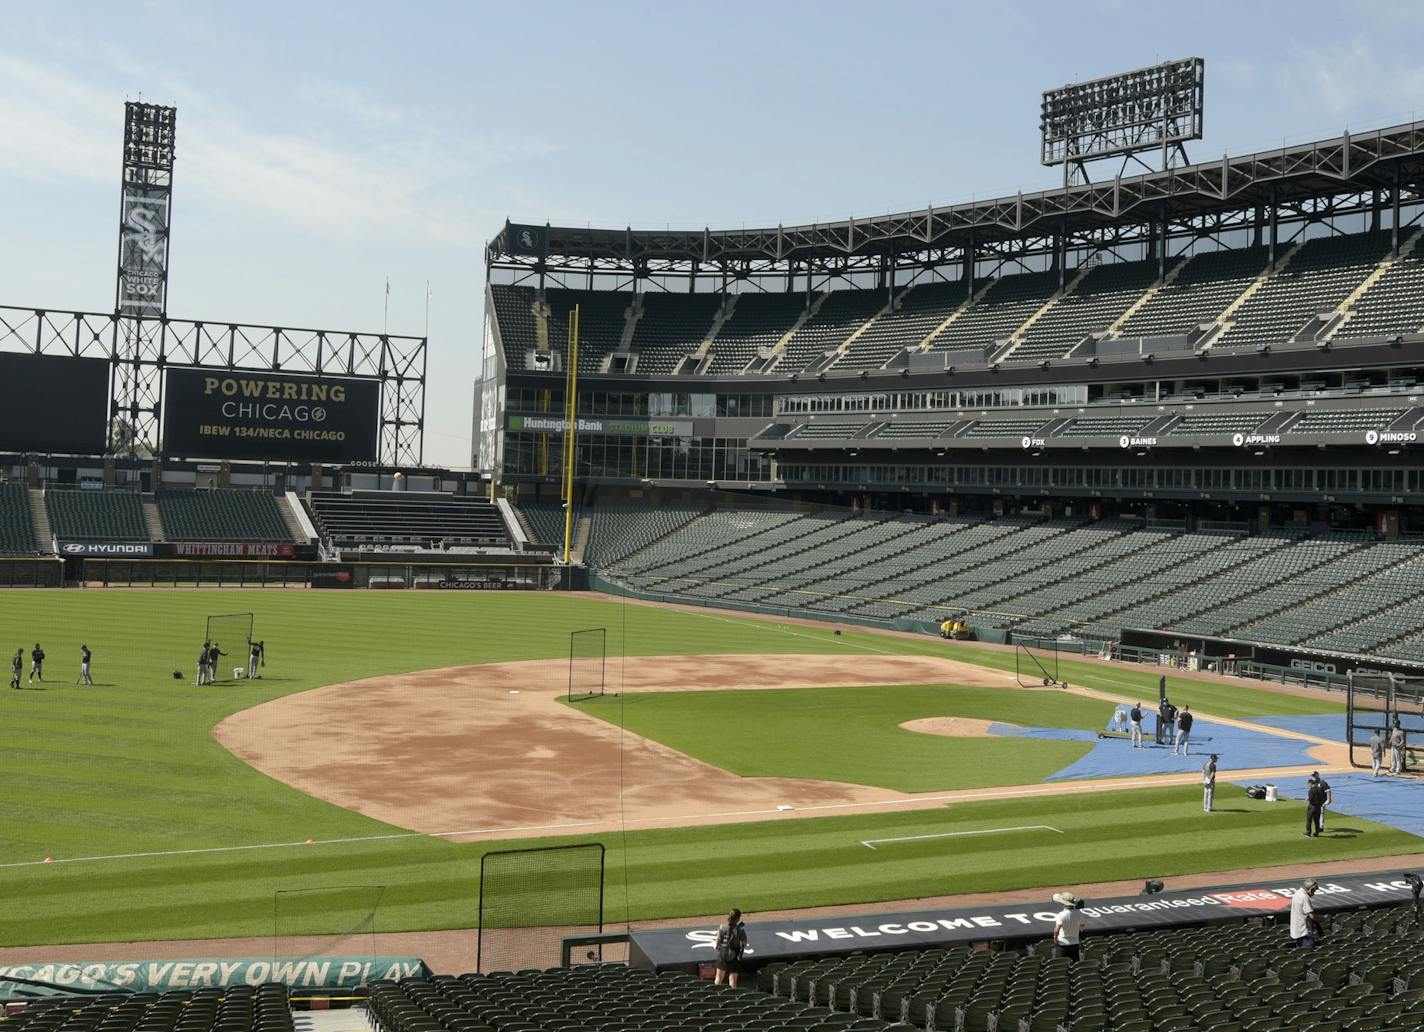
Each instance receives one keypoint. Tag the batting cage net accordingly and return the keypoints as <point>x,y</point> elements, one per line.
<point>1376,701</point>
<point>531,898</point>
<point>232,634</point>
<point>588,663</point>
<point>1036,664</point>
<point>321,925</point>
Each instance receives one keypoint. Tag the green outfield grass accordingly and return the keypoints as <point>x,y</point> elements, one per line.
<point>1139,683</point>
<point>131,766</point>
<point>853,734</point>
<point>786,863</point>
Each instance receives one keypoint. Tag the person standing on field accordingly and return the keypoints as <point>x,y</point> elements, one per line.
<point>37,663</point>
<point>1329,796</point>
<point>1314,802</point>
<point>84,656</point>
<point>1136,718</point>
<point>730,944</point>
<point>1376,753</point>
<point>255,658</point>
<point>1396,749</point>
<point>214,654</point>
<point>1208,783</point>
<point>1184,732</point>
<point>202,665</point>
<point>17,667</point>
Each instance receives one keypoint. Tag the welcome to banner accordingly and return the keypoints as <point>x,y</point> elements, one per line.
<point>161,975</point>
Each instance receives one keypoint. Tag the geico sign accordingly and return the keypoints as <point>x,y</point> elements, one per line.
<point>261,389</point>
<point>1389,436</point>
<point>1314,666</point>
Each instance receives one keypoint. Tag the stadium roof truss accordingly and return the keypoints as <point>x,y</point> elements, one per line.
<point>1310,181</point>
<point>140,349</point>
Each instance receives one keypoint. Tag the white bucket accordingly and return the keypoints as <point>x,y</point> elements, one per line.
<point>1271,796</point>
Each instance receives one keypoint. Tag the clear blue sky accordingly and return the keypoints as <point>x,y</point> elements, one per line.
<point>325,146</point>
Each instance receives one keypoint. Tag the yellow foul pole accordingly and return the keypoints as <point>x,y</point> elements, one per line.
<point>570,421</point>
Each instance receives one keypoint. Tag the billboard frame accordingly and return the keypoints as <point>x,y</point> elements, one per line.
<point>135,415</point>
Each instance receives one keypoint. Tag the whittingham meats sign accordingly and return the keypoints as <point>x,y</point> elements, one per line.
<point>918,929</point>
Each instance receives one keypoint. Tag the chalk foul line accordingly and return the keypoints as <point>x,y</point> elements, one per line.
<point>872,843</point>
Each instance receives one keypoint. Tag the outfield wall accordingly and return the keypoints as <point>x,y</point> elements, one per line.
<point>259,573</point>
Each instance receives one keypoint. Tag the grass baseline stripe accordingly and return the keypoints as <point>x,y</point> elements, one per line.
<point>871,843</point>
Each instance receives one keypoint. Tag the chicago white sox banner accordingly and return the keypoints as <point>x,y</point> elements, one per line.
<point>143,252</point>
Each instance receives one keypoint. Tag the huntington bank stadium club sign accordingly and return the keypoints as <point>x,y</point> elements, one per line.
<point>272,416</point>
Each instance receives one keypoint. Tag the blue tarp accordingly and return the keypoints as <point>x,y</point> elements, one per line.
<point>1321,725</point>
<point>1114,757</point>
<point>1397,802</point>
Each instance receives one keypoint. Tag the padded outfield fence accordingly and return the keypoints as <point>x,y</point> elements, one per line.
<point>266,573</point>
<point>531,899</point>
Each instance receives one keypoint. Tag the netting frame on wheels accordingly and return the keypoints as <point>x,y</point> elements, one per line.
<point>1026,661</point>
<point>534,862</point>
<point>588,664</point>
<point>243,623</point>
<point>1377,700</point>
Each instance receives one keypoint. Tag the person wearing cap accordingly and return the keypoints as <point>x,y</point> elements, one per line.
<point>1184,732</point>
<point>1396,749</point>
<point>1067,926</point>
<point>1329,795</point>
<point>1304,928</point>
<point>1376,753</point>
<point>1136,717</point>
<point>1208,783</point>
<point>1315,796</point>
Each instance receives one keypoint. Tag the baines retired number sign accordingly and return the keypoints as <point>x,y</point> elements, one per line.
<point>231,414</point>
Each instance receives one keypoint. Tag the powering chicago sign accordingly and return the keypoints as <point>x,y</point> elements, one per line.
<point>229,414</point>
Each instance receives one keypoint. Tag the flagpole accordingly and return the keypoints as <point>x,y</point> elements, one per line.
<point>386,312</point>
<point>427,309</point>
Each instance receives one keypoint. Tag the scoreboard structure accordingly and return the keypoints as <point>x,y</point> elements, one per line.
<point>126,378</point>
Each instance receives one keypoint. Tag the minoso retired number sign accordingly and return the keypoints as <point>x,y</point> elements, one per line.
<point>226,414</point>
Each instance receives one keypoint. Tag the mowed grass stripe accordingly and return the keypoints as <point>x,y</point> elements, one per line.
<point>687,871</point>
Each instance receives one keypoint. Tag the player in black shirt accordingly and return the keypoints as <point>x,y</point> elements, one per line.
<point>213,655</point>
<point>37,663</point>
<point>1315,795</point>
<point>84,656</point>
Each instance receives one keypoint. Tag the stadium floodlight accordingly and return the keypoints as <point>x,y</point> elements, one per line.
<point>149,135</point>
<point>1156,108</point>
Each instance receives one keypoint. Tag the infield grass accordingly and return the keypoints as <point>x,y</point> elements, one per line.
<point>130,766</point>
<point>853,734</point>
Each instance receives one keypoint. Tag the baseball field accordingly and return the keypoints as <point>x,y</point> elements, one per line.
<point>394,738</point>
